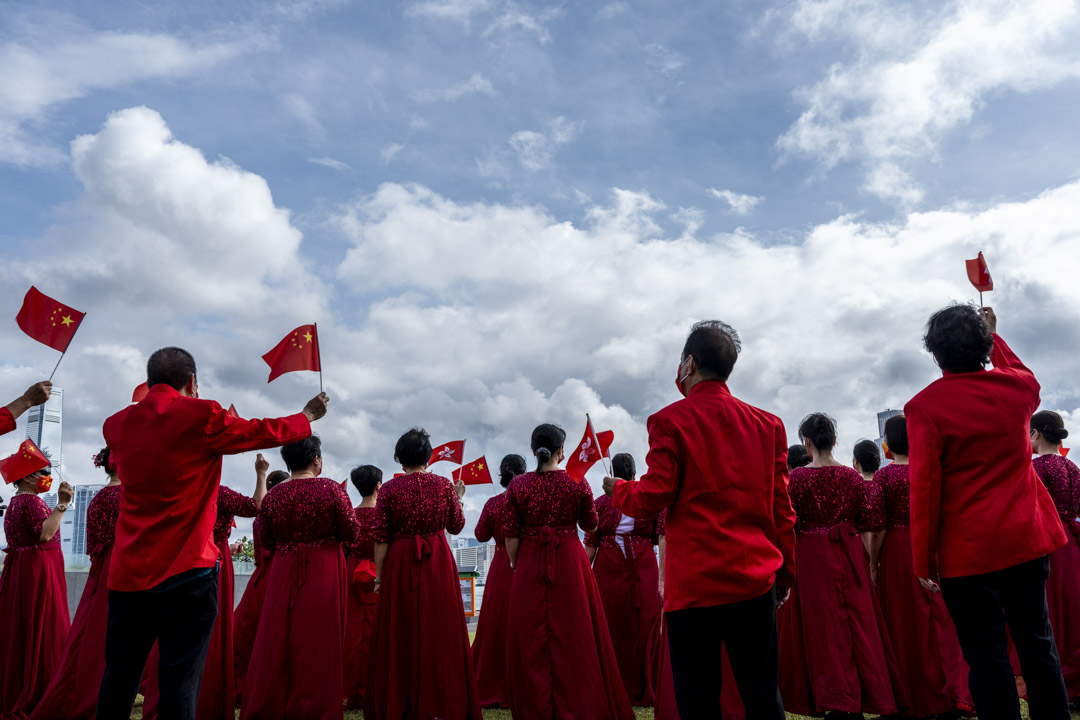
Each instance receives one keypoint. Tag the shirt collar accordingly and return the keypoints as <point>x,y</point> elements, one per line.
<point>709,387</point>
<point>163,389</point>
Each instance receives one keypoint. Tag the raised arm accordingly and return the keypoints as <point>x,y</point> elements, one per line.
<point>229,435</point>
<point>36,394</point>
<point>658,488</point>
<point>926,446</point>
<point>233,503</point>
<point>50,521</point>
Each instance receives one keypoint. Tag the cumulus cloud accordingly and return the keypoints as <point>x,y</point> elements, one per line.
<point>475,85</point>
<point>536,150</point>
<point>737,203</point>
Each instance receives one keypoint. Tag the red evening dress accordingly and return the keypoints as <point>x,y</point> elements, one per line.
<point>217,694</point>
<point>297,662</point>
<point>930,661</point>
<point>421,667</point>
<point>248,612</point>
<point>835,653</point>
<point>73,692</point>
<point>34,619</point>
<point>628,580</point>
<point>561,661</point>
<point>361,610</point>
<point>489,645</point>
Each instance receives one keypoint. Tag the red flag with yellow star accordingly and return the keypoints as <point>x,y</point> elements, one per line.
<point>299,350</point>
<point>48,321</point>
<point>475,473</point>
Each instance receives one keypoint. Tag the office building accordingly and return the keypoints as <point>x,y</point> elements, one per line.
<point>882,418</point>
<point>45,425</point>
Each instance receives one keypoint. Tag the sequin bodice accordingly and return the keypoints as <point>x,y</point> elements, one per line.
<point>416,504</point>
<point>551,499</point>
<point>231,504</point>
<point>101,517</point>
<point>896,490</point>
<point>23,520</point>
<point>832,495</point>
<point>364,547</point>
<point>1062,478</point>
<point>306,511</point>
<point>490,524</point>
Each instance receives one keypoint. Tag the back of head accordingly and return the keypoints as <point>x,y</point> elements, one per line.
<point>1050,425</point>
<point>101,460</point>
<point>896,435</point>
<point>413,449</point>
<point>715,347</point>
<point>301,455</point>
<point>623,467</point>
<point>959,339</point>
<point>868,455</point>
<point>819,429</point>
<point>547,440</point>
<point>510,467</point>
<point>275,478</point>
<point>170,366</point>
<point>366,479</point>
<point>797,456</point>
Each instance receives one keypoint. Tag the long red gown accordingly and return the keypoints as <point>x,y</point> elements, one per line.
<point>361,610</point>
<point>248,612</point>
<point>627,577</point>
<point>835,653</point>
<point>217,694</point>
<point>73,691</point>
<point>297,662</point>
<point>930,660</point>
<point>489,645</point>
<point>421,667</point>
<point>561,661</point>
<point>34,619</point>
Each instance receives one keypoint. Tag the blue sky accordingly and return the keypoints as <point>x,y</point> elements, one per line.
<point>502,213</point>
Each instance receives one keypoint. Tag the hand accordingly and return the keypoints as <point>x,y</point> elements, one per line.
<point>261,464</point>
<point>236,547</point>
<point>661,589</point>
<point>459,488</point>
<point>990,317</point>
<point>609,485</point>
<point>783,594</point>
<point>377,582</point>
<point>929,585</point>
<point>65,494</point>
<point>316,407</point>
<point>38,393</point>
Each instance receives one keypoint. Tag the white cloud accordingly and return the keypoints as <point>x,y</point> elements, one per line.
<point>737,203</point>
<point>417,124</point>
<point>536,150</point>
<point>302,109</point>
<point>456,10</point>
<point>389,152</point>
<point>477,84</point>
<point>665,60</point>
<point>514,18</point>
<point>330,163</point>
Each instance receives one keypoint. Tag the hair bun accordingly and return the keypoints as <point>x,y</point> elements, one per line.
<point>1061,433</point>
<point>543,454</point>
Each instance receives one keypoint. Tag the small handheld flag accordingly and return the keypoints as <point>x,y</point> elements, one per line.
<point>48,321</point>
<point>592,447</point>
<point>475,473</point>
<point>979,275</point>
<point>450,452</point>
<point>299,350</point>
<point>28,459</point>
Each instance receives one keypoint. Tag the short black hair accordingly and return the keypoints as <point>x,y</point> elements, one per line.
<point>623,467</point>
<point>101,460</point>
<point>797,456</point>
<point>301,454</point>
<point>1050,424</point>
<point>365,478</point>
<point>170,366</point>
<point>413,449</point>
<point>511,466</point>
<point>715,347</point>
<point>896,435</point>
<point>868,455</point>
<point>276,477</point>
<point>819,429</point>
<point>547,439</point>
<point>959,338</point>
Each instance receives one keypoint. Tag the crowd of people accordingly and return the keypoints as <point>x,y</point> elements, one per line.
<point>788,578</point>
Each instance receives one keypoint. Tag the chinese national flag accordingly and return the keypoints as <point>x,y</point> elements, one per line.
<point>451,452</point>
<point>48,321</point>
<point>140,392</point>
<point>592,447</point>
<point>979,274</point>
<point>475,473</point>
<point>299,350</point>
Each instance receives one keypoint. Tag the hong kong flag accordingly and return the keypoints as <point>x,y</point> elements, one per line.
<point>299,350</point>
<point>48,321</point>
<point>450,452</point>
<point>592,447</point>
<point>979,274</point>
<point>475,473</point>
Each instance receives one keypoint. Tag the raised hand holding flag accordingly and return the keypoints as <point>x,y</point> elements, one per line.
<point>299,350</point>
<point>450,452</point>
<point>979,275</point>
<point>48,321</point>
<point>475,473</point>
<point>593,447</point>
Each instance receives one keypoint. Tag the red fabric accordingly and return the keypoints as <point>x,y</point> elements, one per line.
<point>416,504</point>
<point>449,452</point>
<point>666,706</point>
<point>475,473</point>
<point>361,611</point>
<point>28,459</point>
<point>299,350</point>
<point>592,447</point>
<point>48,321</point>
<point>7,421</point>
<point>489,645</point>
<point>977,504</point>
<point>248,612</point>
<point>168,450</point>
<point>141,391</point>
<point>979,274</point>
<point>721,466</point>
<point>1062,591</point>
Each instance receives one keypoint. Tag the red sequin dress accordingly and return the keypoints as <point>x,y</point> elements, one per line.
<point>73,691</point>
<point>561,661</point>
<point>34,619</point>
<point>930,661</point>
<point>489,645</point>
<point>835,653</point>
<point>296,664</point>
<point>248,612</point>
<point>361,610</point>
<point>628,579</point>
<point>421,667</point>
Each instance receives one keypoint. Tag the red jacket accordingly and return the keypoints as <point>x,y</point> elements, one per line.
<point>721,466</point>
<point>7,421</point>
<point>977,504</point>
<point>168,450</point>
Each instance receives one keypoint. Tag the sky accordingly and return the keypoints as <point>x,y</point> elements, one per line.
<point>506,213</point>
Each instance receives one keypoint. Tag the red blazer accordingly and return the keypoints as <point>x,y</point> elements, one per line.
<point>721,466</point>
<point>977,504</point>
<point>168,450</point>
<point>7,421</point>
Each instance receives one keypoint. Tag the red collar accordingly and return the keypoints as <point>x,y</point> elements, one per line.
<point>710,387</point>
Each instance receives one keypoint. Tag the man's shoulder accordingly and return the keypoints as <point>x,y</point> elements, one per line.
<point>691,406</point>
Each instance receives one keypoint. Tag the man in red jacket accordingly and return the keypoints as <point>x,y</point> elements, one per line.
<point>163,574</point>
<point>720,466</point>
<point>980,518</point>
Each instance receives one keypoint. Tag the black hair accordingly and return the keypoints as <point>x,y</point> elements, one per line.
<point>623,467</point>
<point>278,476</point>
<point>365,478</point>
<point>715,347</point>
<point>819,429</point>
<point>868,455</point>
<point>413,449</point>
<point>170,366</point>
<point>547,439</point>
<point>301,454</point>
<point>1050,424</point>
<point>101,460</point>
<point>896,435</point>
<point>510,467</point>
<point>959,338</point>
<point>797,456</point>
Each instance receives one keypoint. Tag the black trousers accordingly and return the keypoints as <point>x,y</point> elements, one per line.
<point>180,619</point>
<point>748,630</point>
<point>981,606</point>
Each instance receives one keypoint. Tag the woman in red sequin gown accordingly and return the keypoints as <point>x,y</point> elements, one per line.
<point>296,665</point>
<point>835,654</point>
<point>1062,479</point>
<point>489,645</point>
<point>73,691</point>
<point>421,667</point>
<point>621,551</point>
<point>927,652</point>
<point>362,602</point>
<point>561,661</point>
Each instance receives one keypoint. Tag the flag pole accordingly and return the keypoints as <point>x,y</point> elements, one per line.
<point>592,433</point>
<point>318,354</point>
<point>55,367</point>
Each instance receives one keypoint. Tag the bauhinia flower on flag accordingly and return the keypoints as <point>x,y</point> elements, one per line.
<point>48,321</point>
<point>592,447</point>
<point>450,452</point>
<point>475,473</point>
<point>299,350</point>
<point>979,274</point>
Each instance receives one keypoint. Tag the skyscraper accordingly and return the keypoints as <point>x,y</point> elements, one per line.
<point>882,418</point>
<point>45,427</point>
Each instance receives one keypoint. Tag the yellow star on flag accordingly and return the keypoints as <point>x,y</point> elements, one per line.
<point>307,336</point>
<point>66,320</point>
